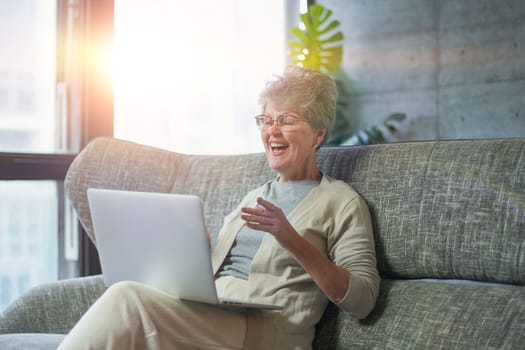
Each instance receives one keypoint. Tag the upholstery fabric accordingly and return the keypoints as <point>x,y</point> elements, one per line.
<point>449,209</point>
<point>52,307</point>
<point>221,182</point>
<point>440,209</point>
<point>117,165</point>
<point>30,341</point>
<point>424,315</point>
<point>443,209</point>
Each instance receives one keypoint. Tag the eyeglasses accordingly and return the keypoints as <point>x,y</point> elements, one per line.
<point>285,122</point>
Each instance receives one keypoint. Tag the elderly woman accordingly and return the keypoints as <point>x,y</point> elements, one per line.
<point>299,241</point>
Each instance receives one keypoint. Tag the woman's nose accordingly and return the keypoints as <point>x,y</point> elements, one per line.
<point>274,129</point>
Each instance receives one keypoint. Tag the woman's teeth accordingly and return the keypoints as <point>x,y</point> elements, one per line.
<point>277,146</point>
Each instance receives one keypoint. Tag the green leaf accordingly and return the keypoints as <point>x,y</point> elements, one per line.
<point>332,26</point>
<point>299,34</point>
<point>337,37</point>
<point>319,45</point>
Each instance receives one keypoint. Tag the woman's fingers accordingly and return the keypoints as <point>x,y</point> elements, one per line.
<point>265,217</point>
<point>266,205</point>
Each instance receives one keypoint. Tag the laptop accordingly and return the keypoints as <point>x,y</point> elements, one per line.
<point>157,239</point>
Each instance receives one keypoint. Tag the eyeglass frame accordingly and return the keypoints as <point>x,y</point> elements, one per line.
<point>260,120</point>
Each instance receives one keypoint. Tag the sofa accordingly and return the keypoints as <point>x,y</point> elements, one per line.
<point>449,225</point>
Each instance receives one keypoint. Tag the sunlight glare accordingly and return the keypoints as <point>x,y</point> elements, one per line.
<point>190,83</point>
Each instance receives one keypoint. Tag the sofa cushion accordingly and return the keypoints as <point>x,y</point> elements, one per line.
<point>430,315</point>
<point>52,307</point>
<point>30,341</point>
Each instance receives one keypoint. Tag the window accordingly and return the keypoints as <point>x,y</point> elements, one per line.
<point>188,73</point>
<point>27,76</point>
<point>45,99</point>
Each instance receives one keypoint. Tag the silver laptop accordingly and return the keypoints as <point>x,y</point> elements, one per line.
<point>157,239</point>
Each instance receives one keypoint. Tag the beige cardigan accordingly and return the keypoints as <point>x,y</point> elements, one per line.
<point>335,219</point>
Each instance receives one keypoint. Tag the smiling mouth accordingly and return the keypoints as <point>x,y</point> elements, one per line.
<point>275,147</point>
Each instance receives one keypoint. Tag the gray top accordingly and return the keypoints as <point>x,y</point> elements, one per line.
<point>286,195</point>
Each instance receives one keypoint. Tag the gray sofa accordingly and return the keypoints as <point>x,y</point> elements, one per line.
<point>449,221</point>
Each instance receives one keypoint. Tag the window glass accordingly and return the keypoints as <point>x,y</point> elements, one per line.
<point>27,75</point>
<point>5,290</point>
<point>188,73</point>
<point>28,236</point>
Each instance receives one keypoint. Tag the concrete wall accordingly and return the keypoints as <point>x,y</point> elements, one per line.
<point>455,67</point>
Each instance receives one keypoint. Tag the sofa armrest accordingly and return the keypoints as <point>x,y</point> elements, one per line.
<point>53,307</point>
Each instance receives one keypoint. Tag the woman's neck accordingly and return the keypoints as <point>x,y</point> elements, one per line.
<point>312,175</point>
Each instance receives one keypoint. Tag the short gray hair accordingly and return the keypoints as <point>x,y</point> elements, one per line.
<point>312,94</point>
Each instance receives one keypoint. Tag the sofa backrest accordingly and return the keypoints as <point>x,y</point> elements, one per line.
<point>440,209</point>
<point>220,181</point>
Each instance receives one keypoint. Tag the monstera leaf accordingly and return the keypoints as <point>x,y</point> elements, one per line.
<point>318,46</point>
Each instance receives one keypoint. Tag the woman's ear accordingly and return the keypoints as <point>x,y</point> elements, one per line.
<point>321,134</point>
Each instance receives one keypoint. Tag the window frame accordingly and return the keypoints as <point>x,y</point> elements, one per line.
<point>34,166</point>
<point>92,97</point>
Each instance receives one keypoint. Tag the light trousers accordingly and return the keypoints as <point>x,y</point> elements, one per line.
<point>130,316</point>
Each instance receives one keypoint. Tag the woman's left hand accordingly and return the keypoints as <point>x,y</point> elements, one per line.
<point>269,218</point>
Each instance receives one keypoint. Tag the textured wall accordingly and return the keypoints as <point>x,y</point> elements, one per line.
<point>456,67</point>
